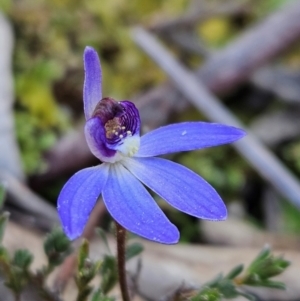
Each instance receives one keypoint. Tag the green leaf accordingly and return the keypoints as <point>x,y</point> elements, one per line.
<point>87,270</point>
<point>17,274</point>
<point>207,294</point>
<point>218,288</point>
<point>227,289</point>
<point>133,250</point>
<point>235,272</point>
<point>83,254</point>
<point>3,253</point>
<point>99,296</point>
<point>265,266</point>
<point>263,254</point>
<point>2,194</point>
<point>22,259</point>
<point>247,296</point>
<point>4,260</point>
<point>3,221</point>
<point>273,284</point>
<point>274,266</point>
<point>109,273</point>
<point>57,247</point>
<point>214,282</point>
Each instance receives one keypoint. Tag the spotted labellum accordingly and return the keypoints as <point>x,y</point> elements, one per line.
<point>129,162</point>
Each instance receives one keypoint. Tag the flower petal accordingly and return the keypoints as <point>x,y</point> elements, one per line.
<point>131,205</point>
<point>92,89</point>
<point>179,186</point>
<point>186,136</point>
<point>78,197</point>
<point>95,138</point>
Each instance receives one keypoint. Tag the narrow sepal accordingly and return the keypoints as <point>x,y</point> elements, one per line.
<point>92,88</point>
<point>186,136</point>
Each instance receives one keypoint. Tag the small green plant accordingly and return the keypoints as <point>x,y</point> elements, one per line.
<point>259,273</point>
<point>17,273</point>
<point>16,268</point>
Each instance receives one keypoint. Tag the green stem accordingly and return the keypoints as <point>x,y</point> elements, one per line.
<point>121,240</point>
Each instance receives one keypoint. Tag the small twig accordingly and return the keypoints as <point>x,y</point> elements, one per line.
<point>186,82</point>
<point>189,42</point>
<point>281,81</point>
<point>276,127</point>
<point>9,152</point>
<point>26,199</point>
<point>235,63</point>
<point>121,247</point>
<point>200,12</point>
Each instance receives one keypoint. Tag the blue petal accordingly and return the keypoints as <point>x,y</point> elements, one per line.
<point>130,204</point>
<point>95,137</point>
<point>186,136</point>
<point>179,186</point>
<point>92,90</point>
<point>78,198</point>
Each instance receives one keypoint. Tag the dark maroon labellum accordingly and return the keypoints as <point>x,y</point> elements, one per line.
<point>120,119</point>
<point>107,109</point>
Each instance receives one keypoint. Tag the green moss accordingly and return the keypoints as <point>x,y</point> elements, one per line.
<point>32,141</point>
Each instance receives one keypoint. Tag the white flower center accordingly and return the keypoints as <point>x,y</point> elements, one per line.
<point>130,146</point>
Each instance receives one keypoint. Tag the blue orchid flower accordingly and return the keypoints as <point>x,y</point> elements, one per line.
<point>112,132</point>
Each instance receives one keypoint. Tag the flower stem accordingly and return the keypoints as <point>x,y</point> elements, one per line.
<point>121,240</point>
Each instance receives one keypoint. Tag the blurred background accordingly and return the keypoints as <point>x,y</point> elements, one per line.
<point>41,110</point>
